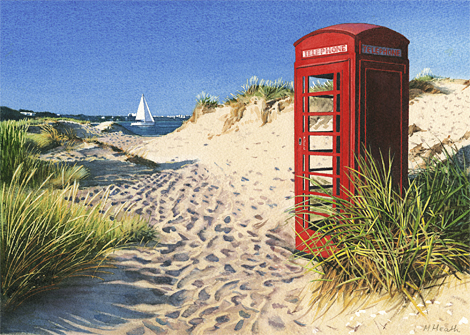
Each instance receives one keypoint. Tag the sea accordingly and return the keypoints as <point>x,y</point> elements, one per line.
<point>163,126</point>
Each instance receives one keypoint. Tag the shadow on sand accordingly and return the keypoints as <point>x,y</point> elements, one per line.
<point>107,172</point>
<point>84,304</point>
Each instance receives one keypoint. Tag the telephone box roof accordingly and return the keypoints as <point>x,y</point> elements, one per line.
<point>353,29</point>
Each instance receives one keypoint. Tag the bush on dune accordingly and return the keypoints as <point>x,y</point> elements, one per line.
<point>392,243</point>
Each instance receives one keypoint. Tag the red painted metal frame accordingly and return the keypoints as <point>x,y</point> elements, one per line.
<point>363,115</point>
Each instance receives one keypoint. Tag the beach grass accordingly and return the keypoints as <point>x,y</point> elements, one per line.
<point>266,89</point>
<point>426,75</point>
<point>207,100</point>
<point>391,242</point>
<point>50,136</point>
<point>47,237</point>
<point>17,148</point>
<point>423,83</point>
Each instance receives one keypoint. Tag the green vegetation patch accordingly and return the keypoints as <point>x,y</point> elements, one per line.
<point>46,237</point>
<point>384,241</point>
<point>266,89</point>
<point>206,100</point>
<point>18,149</point>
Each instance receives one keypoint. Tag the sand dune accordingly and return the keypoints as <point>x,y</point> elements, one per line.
<point>218,199</point>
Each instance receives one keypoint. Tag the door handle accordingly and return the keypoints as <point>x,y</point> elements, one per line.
<point>300,140</point>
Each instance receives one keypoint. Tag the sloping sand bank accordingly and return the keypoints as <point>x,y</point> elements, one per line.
<point>223,267</point>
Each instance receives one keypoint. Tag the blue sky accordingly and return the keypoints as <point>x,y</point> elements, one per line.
<point>98,57</point>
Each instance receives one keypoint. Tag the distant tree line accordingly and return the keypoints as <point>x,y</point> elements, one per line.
<point>7,113</point>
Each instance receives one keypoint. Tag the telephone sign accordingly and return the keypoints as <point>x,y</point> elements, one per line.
<point>373,50</point>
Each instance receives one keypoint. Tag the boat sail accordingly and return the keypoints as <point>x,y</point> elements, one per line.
<point>143,115</point>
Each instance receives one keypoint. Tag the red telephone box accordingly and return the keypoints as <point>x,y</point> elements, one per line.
<point>351,91</point>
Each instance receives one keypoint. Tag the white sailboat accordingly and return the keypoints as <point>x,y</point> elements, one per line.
<point>143,116</point>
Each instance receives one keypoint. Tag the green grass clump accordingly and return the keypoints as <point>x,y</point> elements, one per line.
<point>206,100</point>
<point>386,241</point>
<point>423,83</point>
<point>266,89</point>
<point>16,149</point>
<point>321,87</point>
<point>46,238</point>
<point>51,137</point>
<point>426,75</point>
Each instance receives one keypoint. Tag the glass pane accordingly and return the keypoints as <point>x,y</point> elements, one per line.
<point>321,182</point>
<point>320,200</point>
<point>320,123</point>
<point>321,143</point>
<point>320,104</point>
<point>317,206</point>
<point>320,83</point>
<point>323,164</point>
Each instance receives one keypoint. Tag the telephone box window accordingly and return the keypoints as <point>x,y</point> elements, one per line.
<point>320,83</point>
<point>323,164</point>
<point>324,184</point>
<point>321,143</point>
<point>320,123</point>
<point>320,104</point>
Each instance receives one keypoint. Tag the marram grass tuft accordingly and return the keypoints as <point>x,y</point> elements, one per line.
<point>393,243</point>
<point>266,89</point>
<point>45,238</point>
<point>16,150</point>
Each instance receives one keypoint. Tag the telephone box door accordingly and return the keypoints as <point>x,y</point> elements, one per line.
<point>322,133</point>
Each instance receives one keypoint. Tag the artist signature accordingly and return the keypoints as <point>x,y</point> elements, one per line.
<point>439,328</point>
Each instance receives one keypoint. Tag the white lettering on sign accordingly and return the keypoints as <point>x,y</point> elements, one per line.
<point>325,51</point>
<point>381,51</point>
